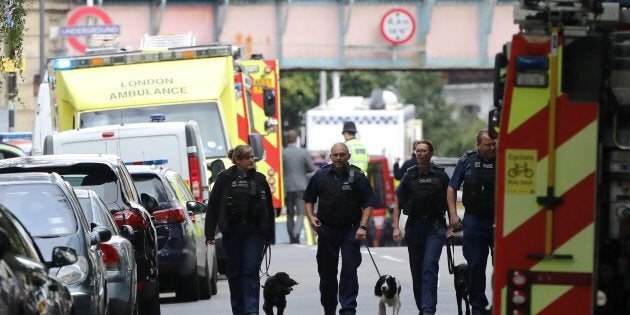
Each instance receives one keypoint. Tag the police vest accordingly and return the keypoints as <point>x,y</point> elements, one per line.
<point>339,200</point>
<point>360,157</point>
<point>478,195</point>
<point>242,199</point>
<point>428,196</point>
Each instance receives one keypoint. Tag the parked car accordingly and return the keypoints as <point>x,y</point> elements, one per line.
<point>183,254</point>
<point>50,211</point>
<point>25,285</point>
<point>8,151</point>
<point>108,176</point>
<point>118,255</point>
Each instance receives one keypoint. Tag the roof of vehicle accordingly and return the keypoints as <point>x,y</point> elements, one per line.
<point>59,159</point>
<point>30,177</point>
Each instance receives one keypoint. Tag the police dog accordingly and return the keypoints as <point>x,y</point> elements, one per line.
<point>387,288</point>
<point>275,291</point>
<point>460,278</point>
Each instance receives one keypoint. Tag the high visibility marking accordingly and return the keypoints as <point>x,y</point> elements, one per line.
<point>544,295</point>
<point>581,246</point>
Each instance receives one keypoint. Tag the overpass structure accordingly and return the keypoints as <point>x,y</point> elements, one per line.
<point>328,34</point>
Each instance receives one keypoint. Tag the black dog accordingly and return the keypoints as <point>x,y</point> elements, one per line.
<point>460,276</point>
<point>275,291</point>
<point>387,288</point>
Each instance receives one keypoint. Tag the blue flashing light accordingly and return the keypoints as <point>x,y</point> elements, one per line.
<point>63,64</point>
<point>16,135</point>
<point>148,162</point>
<point>158,117</point>
<point>237,86</point>
<point>536,63</point>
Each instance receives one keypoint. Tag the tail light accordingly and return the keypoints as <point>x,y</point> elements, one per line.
<point>110,257</point>
<point>518,292</point>
<point>195,177</point>
<point>131,218</point>
<point>169,216</point>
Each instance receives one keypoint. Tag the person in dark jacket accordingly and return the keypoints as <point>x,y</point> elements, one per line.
<point>240,204</point>
<point>399,171</point>
<point>345,201</point>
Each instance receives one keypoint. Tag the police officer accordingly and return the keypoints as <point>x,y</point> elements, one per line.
<point>422,196</point>
<point>240,204</point>
<point>476,169</point>
<point>359,153</point>
<point>345,206</point>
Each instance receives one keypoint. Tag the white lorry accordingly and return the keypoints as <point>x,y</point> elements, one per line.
<point>387,132</point>
<point>176,145</point>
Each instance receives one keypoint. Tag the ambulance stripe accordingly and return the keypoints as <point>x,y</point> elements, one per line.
<point>578,298</point>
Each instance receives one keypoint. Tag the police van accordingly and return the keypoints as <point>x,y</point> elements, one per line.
<point>176,145</point>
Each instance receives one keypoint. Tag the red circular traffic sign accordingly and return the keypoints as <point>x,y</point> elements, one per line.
<point>397,26</point>
<point>81,12</point>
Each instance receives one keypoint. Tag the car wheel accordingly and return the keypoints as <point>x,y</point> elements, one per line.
<point>215,276</point>
<point>187,289</point>
<point>204,282</point>
<point>150,306</point>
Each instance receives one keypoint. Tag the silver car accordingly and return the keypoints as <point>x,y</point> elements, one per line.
<point>119,258</point>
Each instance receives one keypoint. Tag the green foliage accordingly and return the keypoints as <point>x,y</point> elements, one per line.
<point>452,132</point>
<point>12,28</point>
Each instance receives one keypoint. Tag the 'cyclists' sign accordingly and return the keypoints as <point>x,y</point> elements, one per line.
<point>520,167</point>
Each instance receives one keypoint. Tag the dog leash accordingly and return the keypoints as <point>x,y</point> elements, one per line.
<point>266,257</point>
<point>368,249</point>
<point>450,251</point>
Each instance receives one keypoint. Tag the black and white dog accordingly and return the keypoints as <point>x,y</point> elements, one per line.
<point>275,291</point>
<point>388,290</point>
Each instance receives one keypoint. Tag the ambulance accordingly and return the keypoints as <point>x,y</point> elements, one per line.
<point>562,123</point>
<point>118,88</point>
<point>263,111</point>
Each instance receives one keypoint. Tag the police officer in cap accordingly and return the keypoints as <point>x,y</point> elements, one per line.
<point>477,170</point>
<point>359,153</point>
<point>422,196</point>
<point>345,205</point>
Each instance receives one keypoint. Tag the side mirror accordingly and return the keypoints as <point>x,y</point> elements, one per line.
<point>101,233</point>
<point>269,102</point>
<point>255,141</point>
<point>494,117</point>
<point>149,202</point>
<point>127,232</point>
<point>216,167</point>
<point>63,256</point>
<point>195,207</point>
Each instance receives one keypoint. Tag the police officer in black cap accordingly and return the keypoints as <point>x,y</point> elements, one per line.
<point>358,151</point>
<point>345,206</point>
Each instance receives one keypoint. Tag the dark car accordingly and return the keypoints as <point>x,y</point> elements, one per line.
<point>25,285</point>
<point>108,176</point>
<point>120,261</point>
<point>50,211</point>
<point>183,254</point>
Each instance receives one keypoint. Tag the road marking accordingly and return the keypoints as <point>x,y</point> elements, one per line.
<point>392,258</point>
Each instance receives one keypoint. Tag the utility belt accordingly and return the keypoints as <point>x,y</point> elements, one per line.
<point>433,219</point>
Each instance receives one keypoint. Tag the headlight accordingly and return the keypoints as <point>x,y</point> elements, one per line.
<point>73,273</point>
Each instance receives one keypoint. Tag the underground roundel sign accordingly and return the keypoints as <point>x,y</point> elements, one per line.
<point>397,26</point>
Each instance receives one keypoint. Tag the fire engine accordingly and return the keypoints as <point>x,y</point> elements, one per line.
<point>562,122</point>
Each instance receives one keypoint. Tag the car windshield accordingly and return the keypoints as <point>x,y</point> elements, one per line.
<point>206,115</point>
<point>43,208</point>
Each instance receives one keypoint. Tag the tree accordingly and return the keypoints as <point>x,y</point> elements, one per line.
<point>12,28</point>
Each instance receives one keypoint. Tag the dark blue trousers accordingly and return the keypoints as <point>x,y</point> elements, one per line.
<point>244,248</point>
<point>331,241</point>
<point>478,243</point>
<point>425,239</point>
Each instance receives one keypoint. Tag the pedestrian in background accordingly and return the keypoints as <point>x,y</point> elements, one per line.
<point>345,205</point>
<point>296,164</point>
<point>422,196</point>
<point>240,204</point>
<point>477,170</point>
<point>399,171</point>
<point>360,157</point>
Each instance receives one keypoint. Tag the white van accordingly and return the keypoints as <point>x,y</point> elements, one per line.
<point>176,145</point>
